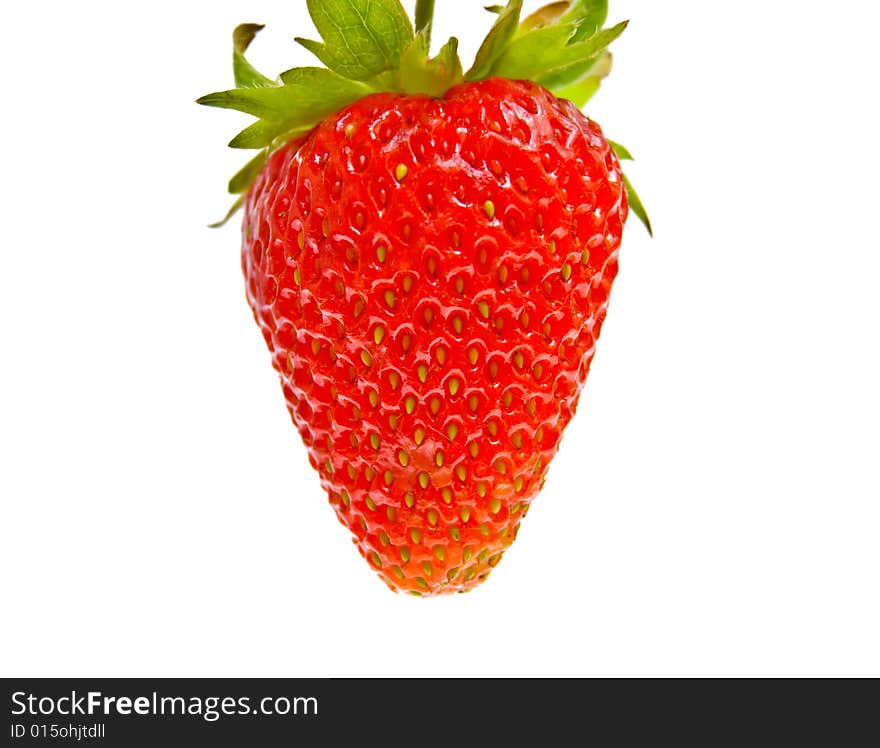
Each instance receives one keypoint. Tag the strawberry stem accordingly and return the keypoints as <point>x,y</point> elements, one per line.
<point>424,18</point>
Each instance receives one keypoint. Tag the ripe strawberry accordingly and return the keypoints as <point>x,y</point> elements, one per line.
<point>429,258</point>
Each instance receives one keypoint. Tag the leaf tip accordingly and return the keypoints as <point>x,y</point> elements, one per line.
<point>244,34</point>
<point>636,205</point>
<point>236,206</point>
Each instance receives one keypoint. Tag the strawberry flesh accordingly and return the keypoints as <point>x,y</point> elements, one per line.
<point>431,276</point>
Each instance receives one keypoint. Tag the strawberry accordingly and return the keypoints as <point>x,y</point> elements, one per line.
<point>429,256</point>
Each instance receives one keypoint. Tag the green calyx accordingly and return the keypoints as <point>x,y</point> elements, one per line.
<point>370,46</point>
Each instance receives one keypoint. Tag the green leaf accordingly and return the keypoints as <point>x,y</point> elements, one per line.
<point>236,206</point>
<point>636,206</point>
<point>620,151</point>
<point>544,53</point>
<point>496,9</point>
<point>361,37</point>
<point>518,59</point>
<point>260,102</point>
<point>319,92</point>
<point>265,132</point>
<point>547,15</point>
<point>581,92</point>
<point>589,15</point>
<point>433,77</point>
<point>258,135</point>
<point>246,75</point>
<point>385,81</point>
<point>245,176</point>
<point>320,84</point>
<point>595,68</point>
<point>316,48</point>
<point>496,41</point>
<point>306,96</point>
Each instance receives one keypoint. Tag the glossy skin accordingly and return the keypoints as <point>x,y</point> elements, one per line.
<point>431,276</point>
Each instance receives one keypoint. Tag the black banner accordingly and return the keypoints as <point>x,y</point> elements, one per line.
<point>461,712</point>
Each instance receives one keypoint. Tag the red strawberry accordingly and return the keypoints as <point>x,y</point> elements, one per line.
<point>430,267</point>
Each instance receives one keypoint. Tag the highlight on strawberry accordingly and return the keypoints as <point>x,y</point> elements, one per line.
<point>429,253</point>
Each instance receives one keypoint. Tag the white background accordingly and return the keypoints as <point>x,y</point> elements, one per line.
<point>714,507</point>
